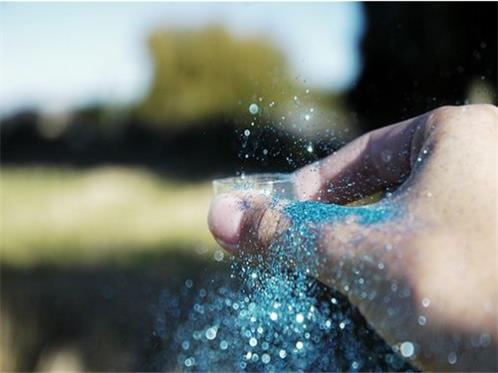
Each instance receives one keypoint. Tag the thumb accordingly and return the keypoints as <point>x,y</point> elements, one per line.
<point>246,222</point>
<point>340,239</point>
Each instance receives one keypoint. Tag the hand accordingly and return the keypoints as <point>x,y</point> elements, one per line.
<point>427,279</point>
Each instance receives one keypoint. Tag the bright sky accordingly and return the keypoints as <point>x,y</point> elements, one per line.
<point>56,56</point>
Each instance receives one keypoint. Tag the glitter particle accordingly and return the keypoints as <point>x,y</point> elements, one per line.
<point>211,333</point>
<point>253,342</point>
<point>426,302</point>
<point>407,349</point>
<point>253,109</point>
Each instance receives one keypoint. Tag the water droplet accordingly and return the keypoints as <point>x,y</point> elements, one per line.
<point>307,91</point>
<point>422,320</point>
<point>342,325</point>
<point>223,345</point>
<point>271,104</point>
<point>273,316</point>
<point>185,345</point>
<point>380,266</point>
<point>189,283</point>
<point>309,148</point>
<point>296,98</point>
<point>253,109</point>
<point>407,349</point>
<point>282,354</point>
<point>426,302</point>
<point>299,318</point>
<point>299,345</point>
<point>307,117</point>
<point>265,151</point>
<point>247,133</point>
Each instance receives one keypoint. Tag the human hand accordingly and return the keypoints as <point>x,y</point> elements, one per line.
<point>426,278</point>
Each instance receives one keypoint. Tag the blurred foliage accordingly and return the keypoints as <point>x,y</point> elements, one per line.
<point>65,215</point>
<point>209,73</point>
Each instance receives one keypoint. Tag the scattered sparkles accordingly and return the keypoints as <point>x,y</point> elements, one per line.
<point>265,358</point>
<point>211,333</point>
<point>276,318</point>
<point>253,342</point>
<point>253,109</point>
<point>407,349</point>
<point>218,255</point>
<point>452,358</point>
<point>386,155</point>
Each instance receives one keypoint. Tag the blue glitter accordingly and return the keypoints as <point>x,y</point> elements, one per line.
<point>279,318</point>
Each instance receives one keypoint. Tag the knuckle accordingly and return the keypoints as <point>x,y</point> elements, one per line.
<point>448,115</point>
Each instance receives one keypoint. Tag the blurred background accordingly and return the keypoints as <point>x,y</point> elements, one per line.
<point>115,117</point>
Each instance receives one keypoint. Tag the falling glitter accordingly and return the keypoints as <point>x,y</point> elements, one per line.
<point>253,109</point>
<point>271,316</point>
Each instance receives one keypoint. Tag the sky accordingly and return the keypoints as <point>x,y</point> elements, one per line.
<point>57,56</point>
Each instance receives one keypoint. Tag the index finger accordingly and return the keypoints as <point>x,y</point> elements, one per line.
<point>374,161</point>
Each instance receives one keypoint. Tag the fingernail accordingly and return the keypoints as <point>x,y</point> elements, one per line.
<point>224,220</point>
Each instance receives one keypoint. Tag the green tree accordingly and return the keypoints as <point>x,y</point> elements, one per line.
<point>207,73</point>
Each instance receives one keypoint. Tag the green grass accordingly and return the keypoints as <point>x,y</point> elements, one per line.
<point>68,215</point>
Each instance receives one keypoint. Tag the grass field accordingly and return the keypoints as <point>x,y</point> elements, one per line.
<point>68,215</point>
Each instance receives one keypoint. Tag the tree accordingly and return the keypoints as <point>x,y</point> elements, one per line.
<point>209,73</point>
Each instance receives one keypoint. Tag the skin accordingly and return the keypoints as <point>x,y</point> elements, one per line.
<point>429,277</point>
